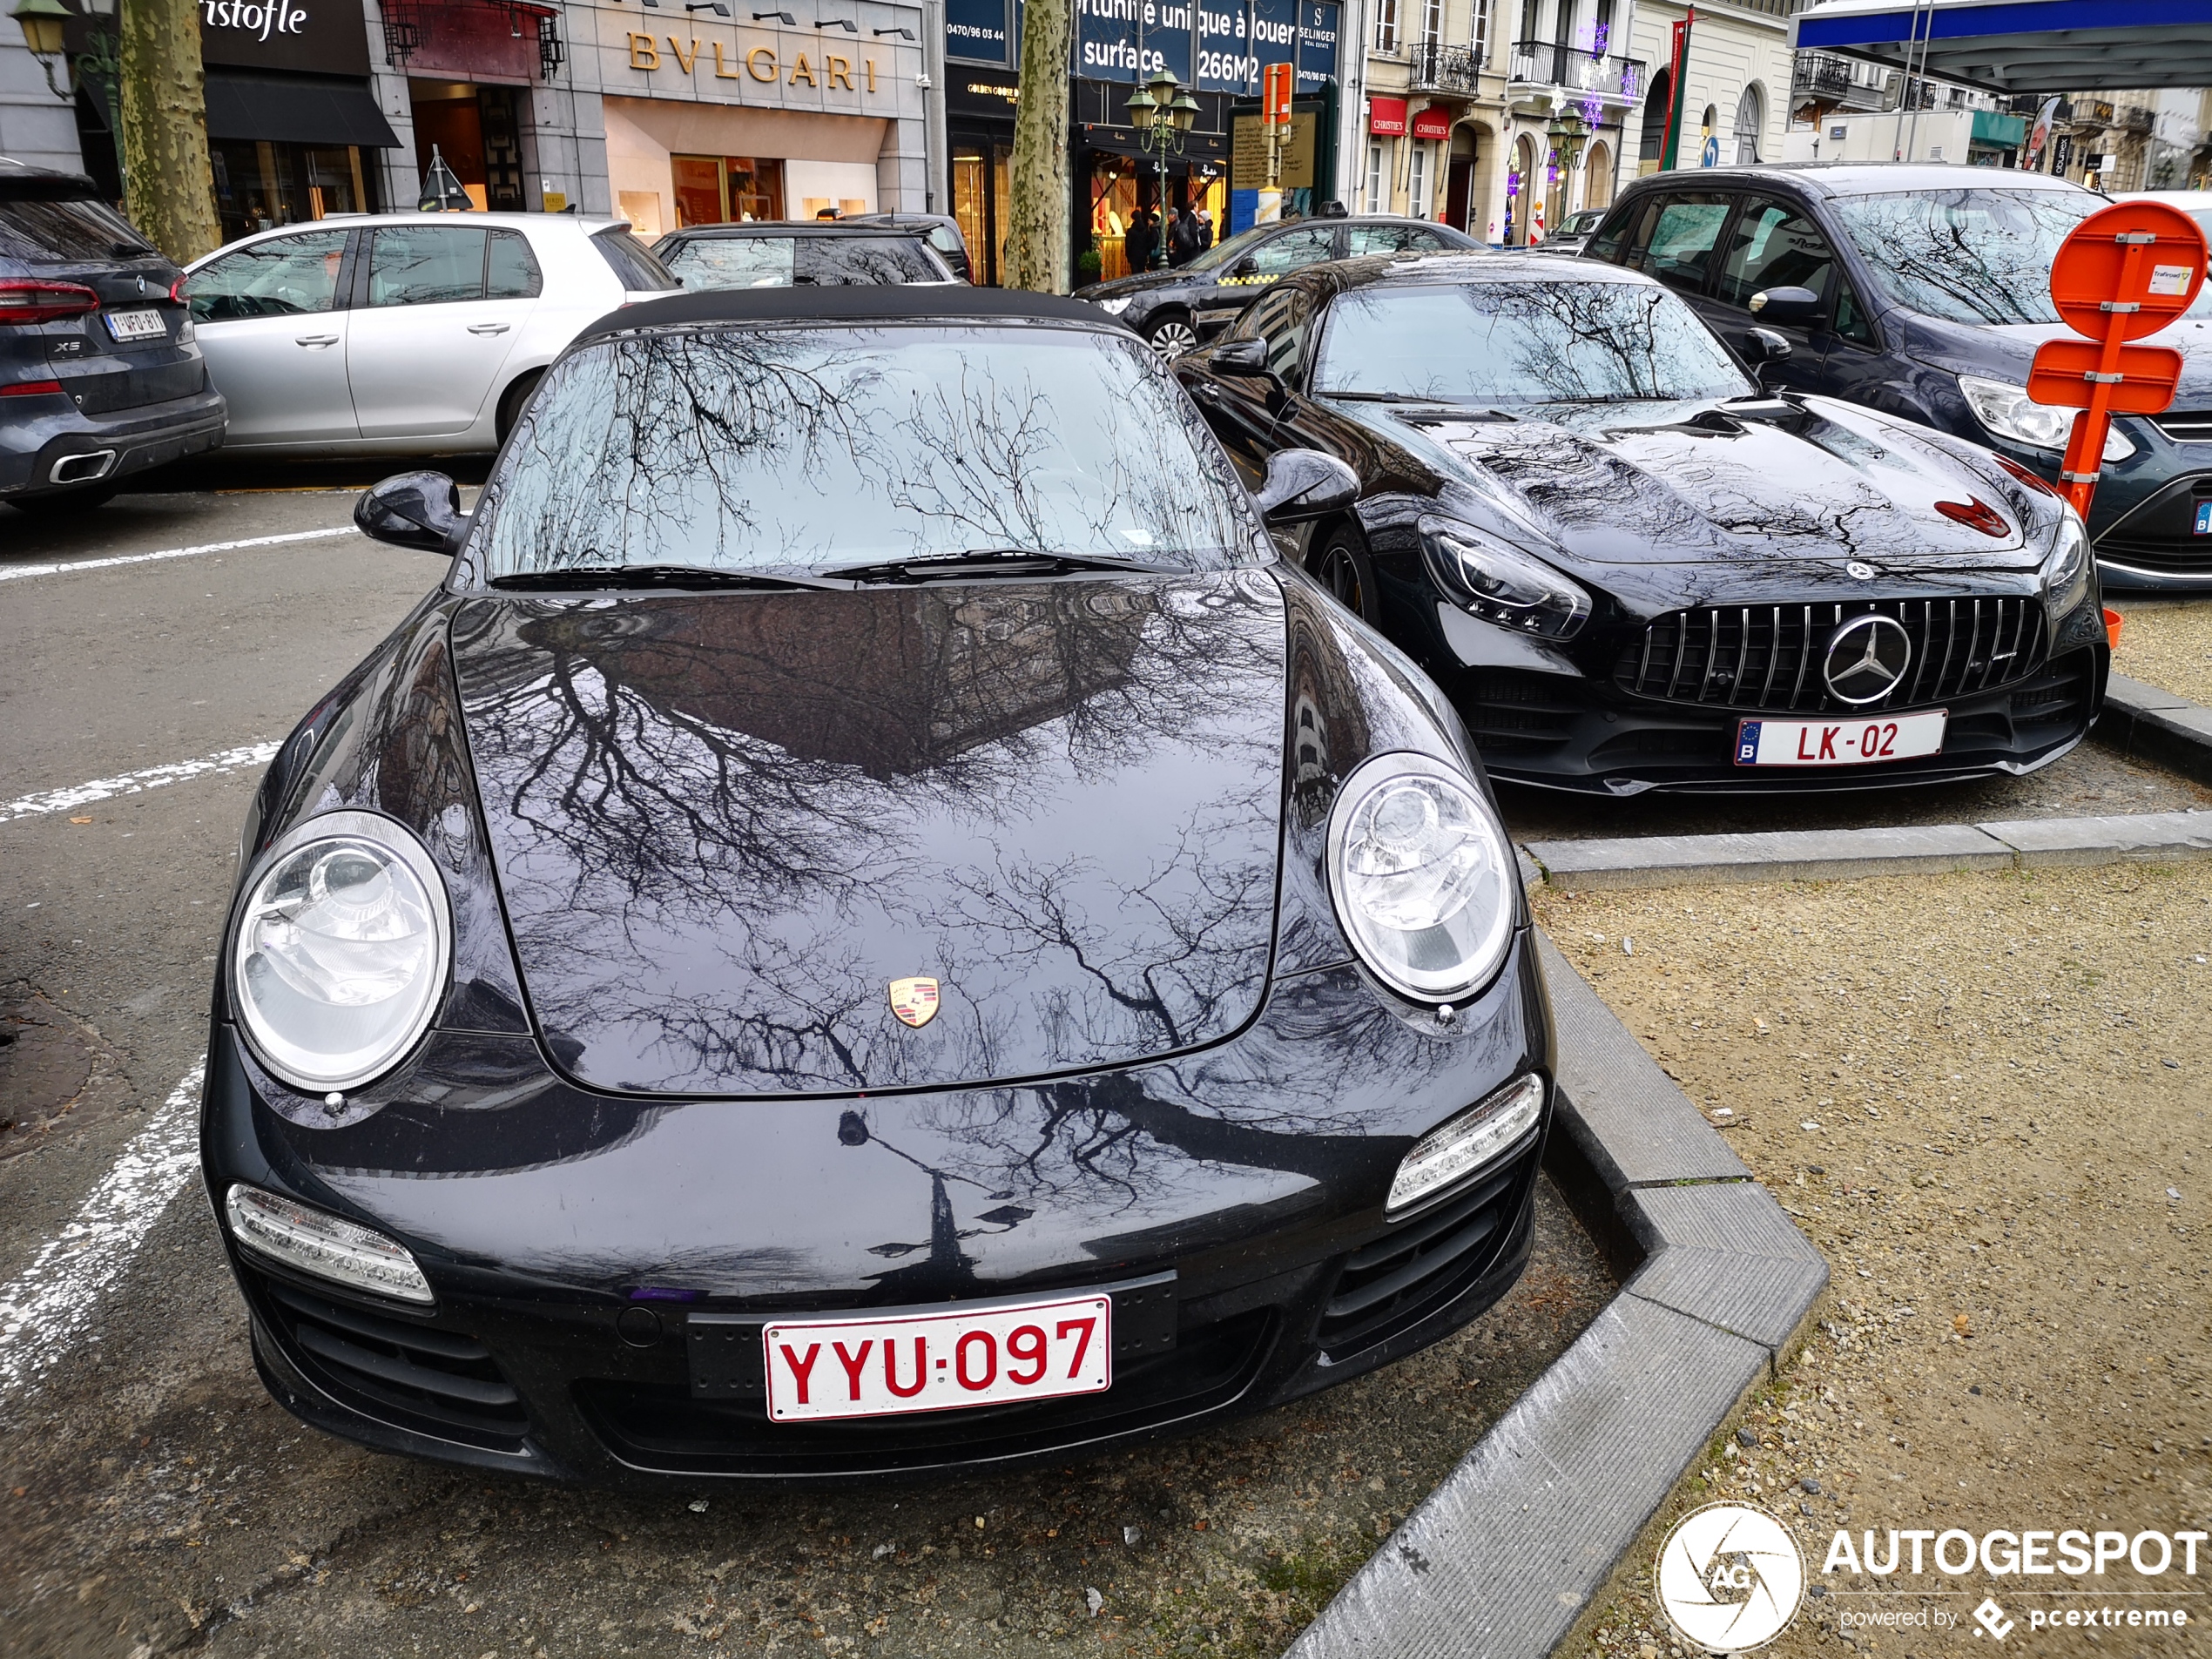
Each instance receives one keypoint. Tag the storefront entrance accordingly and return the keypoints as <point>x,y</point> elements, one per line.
<point>474,129</point>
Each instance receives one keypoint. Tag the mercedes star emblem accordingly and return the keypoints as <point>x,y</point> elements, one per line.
<point>1861,569</point>
<point>1866,658</point>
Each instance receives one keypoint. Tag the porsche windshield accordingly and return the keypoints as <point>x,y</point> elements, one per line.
<point>809,450</point>
<point>1521,342</point>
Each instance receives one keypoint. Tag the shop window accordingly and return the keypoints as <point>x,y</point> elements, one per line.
<point>286,276</point>
<point>426,264</point>
<point>972,207</point>
<point>722,190</point>
<point>259,186</point>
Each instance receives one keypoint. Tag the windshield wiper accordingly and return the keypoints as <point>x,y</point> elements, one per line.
<point>584,577</point>
<point>988,561</point>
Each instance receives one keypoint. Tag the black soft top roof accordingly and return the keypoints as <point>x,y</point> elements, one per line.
<point>889,302</point>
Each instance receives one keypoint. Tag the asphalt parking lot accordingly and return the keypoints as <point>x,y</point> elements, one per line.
<point>154,1500</point>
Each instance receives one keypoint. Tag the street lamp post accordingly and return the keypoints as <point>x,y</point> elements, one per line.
<point>1162,111</point>
<point>1567,135</point>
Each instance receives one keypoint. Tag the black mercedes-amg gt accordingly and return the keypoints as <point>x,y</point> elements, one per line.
<point>870,926</point>
<point>1631,569</point>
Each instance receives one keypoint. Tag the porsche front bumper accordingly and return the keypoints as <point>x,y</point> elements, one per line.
<point>1231,1203</point>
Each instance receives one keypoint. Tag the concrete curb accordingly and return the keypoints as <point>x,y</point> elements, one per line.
<point>2146,724</point>
<point>1507,1555</point>
<point>1829,855</point>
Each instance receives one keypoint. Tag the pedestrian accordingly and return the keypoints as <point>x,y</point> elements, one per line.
<point>1183,238</point>
<point>1138,245</point>
<point>1205,229</point>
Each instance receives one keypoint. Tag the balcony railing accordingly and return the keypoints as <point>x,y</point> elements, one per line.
<point>1818,75</point>
<point>1544,62</point>
<point>1445,69</point>
<point>2133,117</point>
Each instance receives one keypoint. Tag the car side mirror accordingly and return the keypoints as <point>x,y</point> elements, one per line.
<point>1790,307</point>
<point>1244,267</point>
<point>1246,357</point>
<point>1303,484</point>
<point>416,510</point>
<point>1764,346</point>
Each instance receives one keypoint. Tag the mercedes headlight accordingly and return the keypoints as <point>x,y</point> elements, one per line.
<point>2066,573</point>
<point>2008,411</point>
<point>1419,870</point>
<point>341,951</point>
<point>1499,585</point>
<point>1114,306</point>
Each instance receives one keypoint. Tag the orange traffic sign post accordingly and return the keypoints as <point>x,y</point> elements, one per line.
<point>2125,272</point>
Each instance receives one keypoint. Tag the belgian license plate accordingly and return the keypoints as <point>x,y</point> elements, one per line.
<point>136,325</point>
<point>937,1362</point>
<point>1839,742</point>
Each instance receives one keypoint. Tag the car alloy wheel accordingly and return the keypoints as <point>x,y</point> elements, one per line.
<point>1172,338</point>
<point>1340,565</point>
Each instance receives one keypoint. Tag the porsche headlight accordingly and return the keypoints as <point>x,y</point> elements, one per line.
<point>1502,586</point>
<point>2008,411</point>
<point>1448,1154</point>
<point>1114,306</point>
<point>1420,868</point>
<point>340,955</point>
<point>2066,573</point>
<point>313,1241</point>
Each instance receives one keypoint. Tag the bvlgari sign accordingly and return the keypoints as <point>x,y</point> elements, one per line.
<point>318,36</point>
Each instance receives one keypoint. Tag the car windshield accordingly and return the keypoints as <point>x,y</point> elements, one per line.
<point>1973,255</point>
<point>773,261</point>
<point>809,449</point>
<point>1235,248</point>
<point>1522,342</point>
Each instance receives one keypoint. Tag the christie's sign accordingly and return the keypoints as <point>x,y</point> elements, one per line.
<point>316,36</point>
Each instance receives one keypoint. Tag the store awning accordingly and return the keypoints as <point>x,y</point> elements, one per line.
<point>296,109</point>
<point>2022,45</point>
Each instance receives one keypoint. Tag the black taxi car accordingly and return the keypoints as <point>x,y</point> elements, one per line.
<point>1174,309</point>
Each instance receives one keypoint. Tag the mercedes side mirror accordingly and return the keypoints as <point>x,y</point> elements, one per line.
<point>1790,307</point>
<point>1247,357</point>
<point>416,510</point>
<point>1764,349</point>
<point>1303,484</point>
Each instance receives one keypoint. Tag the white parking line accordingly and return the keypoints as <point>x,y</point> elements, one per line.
<point>12,572</point>
<point>46,1311</point>
<point>134,783</point>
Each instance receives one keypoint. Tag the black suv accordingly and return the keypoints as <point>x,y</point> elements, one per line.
<point>1923,290</point>
<point>99,376</point>
<point>1174,309</point>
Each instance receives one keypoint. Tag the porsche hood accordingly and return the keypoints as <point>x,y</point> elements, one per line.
<point>772,844</point>
<point>1697,484</point>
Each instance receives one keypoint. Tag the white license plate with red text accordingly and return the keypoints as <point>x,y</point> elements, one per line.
<point>136,325</point>
<point>935,1362</point>
<point>1839,742</point>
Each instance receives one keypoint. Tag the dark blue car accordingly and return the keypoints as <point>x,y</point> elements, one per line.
<point>1928,291</point>
<point>99,374</point>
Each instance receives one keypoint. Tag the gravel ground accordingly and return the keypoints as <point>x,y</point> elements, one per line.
<point>2165,643</point>
<point>1984,1098</point>
<point>2089,781</point>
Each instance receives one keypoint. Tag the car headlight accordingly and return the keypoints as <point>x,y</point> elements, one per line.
<point>313,1241</point>
<point>2009,412</point>
<point>2066,573</point>
<point>341,951</point>
<point>1502,586</point>
<point>1458,1148</point>
<point>1114,306</point>
<point>1420,868</point>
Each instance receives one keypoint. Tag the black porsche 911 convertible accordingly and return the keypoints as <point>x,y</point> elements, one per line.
<point>1628,568</point>
<point>870,926</point>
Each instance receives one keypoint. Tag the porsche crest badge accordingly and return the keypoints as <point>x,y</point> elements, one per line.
<point>914,1001</point>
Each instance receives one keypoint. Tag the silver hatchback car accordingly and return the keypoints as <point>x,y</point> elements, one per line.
<point>403,334</point>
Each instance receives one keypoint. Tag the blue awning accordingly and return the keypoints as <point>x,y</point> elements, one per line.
<point>2022,45</point>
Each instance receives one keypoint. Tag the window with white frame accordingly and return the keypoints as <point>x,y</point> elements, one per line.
<point>1377,178</point>
<point>1432,22</point>
<point>1417,183</point>
<point>1480,37</point>
<point>1385,26</point>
